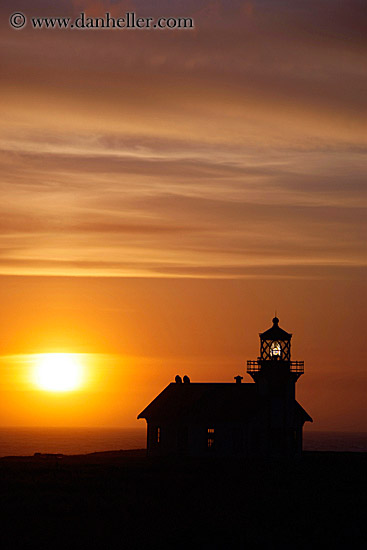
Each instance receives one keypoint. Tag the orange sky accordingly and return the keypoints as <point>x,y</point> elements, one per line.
<point>163,192</point>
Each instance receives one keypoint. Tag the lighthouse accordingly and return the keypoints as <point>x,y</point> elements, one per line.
<point>275,375</point>
<point>225,419</point>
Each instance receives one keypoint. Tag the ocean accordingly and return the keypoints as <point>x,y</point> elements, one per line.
<point>27,441</point>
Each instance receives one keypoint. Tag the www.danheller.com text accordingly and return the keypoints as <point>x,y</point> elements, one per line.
<point>129,20</point>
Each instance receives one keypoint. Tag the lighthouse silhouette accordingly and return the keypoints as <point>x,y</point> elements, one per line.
<point>261,419</point>
<point>275,375</point>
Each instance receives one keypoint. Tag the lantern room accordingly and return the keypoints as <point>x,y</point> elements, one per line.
<point>275,344</point>
<point>275,350</point>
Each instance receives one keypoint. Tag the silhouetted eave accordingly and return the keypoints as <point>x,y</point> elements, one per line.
<point>305,417</point>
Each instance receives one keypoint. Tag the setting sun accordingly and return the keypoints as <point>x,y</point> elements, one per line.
<point>58,372</point>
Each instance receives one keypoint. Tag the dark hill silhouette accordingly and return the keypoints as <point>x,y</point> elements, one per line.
<point>118,500</point>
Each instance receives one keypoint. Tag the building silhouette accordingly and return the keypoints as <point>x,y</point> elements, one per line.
<point>233,419</point>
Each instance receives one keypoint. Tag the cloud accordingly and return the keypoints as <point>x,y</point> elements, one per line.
<point>240,143</point>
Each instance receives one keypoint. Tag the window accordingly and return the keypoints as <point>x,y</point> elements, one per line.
<point>275,349</point>
<point>158,435</point>
<point>210,438</point>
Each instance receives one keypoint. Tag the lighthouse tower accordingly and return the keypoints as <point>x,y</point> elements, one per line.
<point>276,376</point>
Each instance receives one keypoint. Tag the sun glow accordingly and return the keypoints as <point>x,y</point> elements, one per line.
<point>58,372</point>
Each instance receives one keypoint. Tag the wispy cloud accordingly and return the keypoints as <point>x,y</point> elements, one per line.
<point>240,144</point>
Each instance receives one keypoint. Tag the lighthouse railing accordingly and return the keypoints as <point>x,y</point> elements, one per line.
<point>294,366</point>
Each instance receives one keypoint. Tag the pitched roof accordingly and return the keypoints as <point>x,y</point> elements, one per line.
<point>208,401</point>
<point>214,400</point>
<point>275,332</point>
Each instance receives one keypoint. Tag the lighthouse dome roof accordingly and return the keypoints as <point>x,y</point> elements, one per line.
<point>275,332</point>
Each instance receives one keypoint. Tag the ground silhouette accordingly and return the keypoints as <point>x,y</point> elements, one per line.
<point>126,500</point>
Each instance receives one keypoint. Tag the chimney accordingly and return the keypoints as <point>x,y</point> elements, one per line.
<point>238,379</point>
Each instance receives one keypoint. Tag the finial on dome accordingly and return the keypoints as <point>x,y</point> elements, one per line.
<point>276,321</point>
